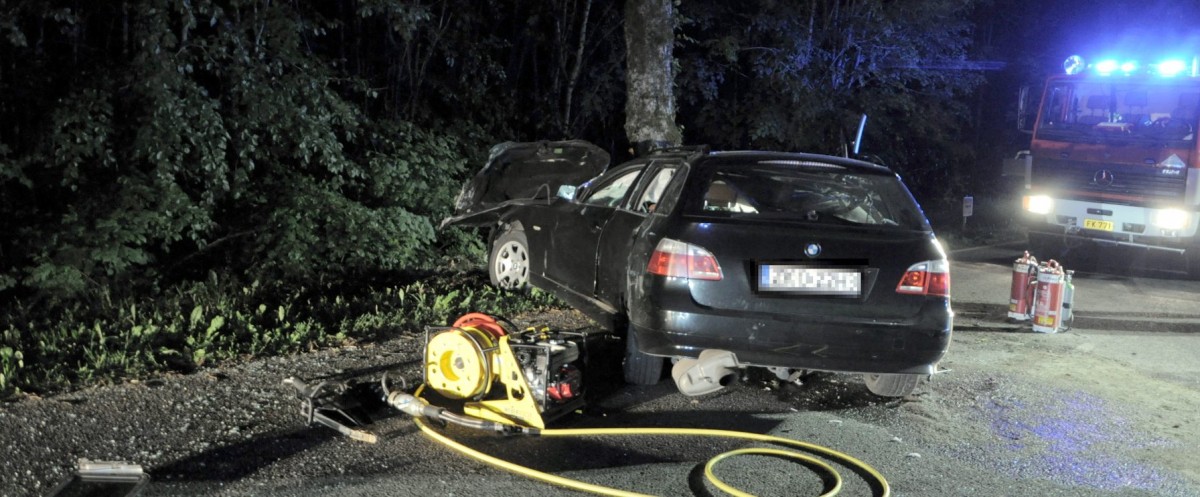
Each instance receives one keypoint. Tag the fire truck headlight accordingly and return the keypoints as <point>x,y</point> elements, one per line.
<point>1038,204</point>
<point>1170,219</point>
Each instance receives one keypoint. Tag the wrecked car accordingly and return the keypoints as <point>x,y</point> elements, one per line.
<point>723,260</point>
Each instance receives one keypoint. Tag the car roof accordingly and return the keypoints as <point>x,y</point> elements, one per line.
<point>762,156</point>
<point>701,154</point>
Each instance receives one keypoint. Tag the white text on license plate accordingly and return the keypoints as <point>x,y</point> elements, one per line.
<point>1096,224</point>
<point>846,282</point>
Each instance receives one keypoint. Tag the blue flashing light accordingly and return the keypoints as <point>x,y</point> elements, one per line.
<point>1171,68</point>
<point>1167,68</point>
<point>1106,67</point>
<point>1074,65</point>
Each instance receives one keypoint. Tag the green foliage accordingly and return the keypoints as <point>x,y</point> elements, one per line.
<point>199,324</point>
<point>148,142</point>
<point>212,136</point>
<point>797,76</point>
<point>149,145</point>
<point>12,360</point>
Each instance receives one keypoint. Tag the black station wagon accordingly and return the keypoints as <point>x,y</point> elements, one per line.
<point>723,260</point>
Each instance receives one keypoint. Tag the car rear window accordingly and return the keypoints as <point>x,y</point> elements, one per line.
<point>806,191</point>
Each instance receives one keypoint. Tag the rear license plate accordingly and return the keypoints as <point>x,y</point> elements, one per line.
<point>810,280</point>
<point>1096,224</point>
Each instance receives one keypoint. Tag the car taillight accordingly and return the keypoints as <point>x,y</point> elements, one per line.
<point>926,278</point>
<point>684,260</point>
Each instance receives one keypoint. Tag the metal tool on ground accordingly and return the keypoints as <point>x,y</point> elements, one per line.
<point>103,479</point>
<point>514,382</point>
<point>327,403</point>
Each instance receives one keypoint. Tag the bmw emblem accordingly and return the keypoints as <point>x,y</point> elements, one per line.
<point>812,249</point>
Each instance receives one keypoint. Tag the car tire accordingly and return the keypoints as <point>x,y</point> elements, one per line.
<point>892,385</point>
<point>640,368</point>
<point>508,261</point>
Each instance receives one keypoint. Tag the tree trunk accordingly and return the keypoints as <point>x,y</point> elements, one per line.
<point>650,101</point>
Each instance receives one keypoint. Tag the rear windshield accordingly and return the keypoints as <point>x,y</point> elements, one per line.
<point>806,191</point>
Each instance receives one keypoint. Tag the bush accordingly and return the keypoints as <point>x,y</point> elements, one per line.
<point>233,145</point>
<point>201,323</point>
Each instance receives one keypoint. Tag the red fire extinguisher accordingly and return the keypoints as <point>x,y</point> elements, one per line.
<point>1048,308</point>
<point>1024,281</point>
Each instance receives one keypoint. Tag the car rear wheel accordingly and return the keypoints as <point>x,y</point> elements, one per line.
<point>508,262</point>
<point>640,368</point>
<point>891,385</point>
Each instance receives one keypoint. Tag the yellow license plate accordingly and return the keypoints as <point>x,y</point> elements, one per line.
<point>1096,224</point>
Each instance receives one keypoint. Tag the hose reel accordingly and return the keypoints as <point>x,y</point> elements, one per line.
<point>526,377</point>
<point>459,362</point>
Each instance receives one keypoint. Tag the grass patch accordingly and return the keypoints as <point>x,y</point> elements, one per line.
<point>47,348</point>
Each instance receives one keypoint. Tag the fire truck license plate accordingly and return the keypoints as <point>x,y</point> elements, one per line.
<point>1096,224</point>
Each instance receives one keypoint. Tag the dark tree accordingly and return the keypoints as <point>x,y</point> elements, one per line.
<point>650,82</point>
<point>796,75</point>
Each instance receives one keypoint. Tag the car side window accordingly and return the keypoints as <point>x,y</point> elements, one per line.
<point>723,196</point>
<point>652,193</point>
<point>611,193</point>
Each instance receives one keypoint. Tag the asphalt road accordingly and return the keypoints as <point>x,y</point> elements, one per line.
<point>1107,408</point>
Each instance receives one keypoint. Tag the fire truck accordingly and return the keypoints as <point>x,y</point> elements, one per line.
<point>1113,159</point>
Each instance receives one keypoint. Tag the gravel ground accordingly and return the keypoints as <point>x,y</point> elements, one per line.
<point>1072,414</point>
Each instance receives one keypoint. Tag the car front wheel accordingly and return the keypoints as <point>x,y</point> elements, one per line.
<point>891,385</point>
<point>508,262</point>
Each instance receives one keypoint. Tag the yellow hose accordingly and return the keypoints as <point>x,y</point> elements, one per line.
<point>708,469</point>
<point>804,459</point>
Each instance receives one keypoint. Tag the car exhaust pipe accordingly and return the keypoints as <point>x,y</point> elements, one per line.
<point>712,371</point>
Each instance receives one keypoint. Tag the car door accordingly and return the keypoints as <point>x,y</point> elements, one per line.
<point>571,257</point>
<point>625,225</point>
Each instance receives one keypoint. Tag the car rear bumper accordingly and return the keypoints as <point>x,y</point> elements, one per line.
<point>809,342</point>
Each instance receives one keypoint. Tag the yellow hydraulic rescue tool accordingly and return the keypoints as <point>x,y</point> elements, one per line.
<point>465,362</point>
